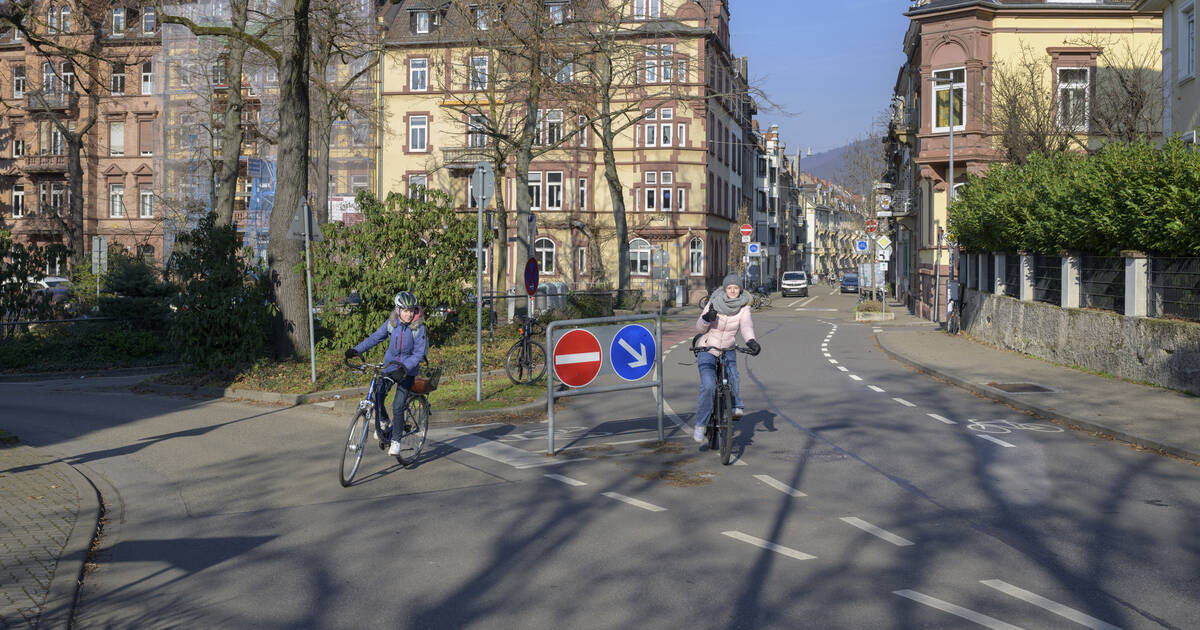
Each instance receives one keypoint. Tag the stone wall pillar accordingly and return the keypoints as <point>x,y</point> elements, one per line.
<point>1137,283</point>
<point>1026,278</point>
<point>998,273</point>
<point>1072,286</point>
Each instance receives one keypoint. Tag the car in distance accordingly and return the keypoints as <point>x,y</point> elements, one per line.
<point>850,283</point>
<point>794,283</point>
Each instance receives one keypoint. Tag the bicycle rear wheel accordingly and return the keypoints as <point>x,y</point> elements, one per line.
<point>714,420</point>
<point>356,438</point>
<point>525,367</point>
<point>414,429</point>
<point>725,430</point>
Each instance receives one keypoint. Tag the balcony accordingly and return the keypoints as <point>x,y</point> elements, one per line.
<point>39,100</point>
<point>464,157</point>
<point>44,164</point>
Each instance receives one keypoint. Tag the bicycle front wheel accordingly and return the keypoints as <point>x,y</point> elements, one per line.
<point>414,429</point>
<point>725,431</point>
<point>356,438</point>
<point>525,366</point>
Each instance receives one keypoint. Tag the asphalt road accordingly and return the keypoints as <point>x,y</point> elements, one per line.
<point>865,495</point>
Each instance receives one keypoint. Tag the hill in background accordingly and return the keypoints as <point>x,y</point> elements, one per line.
<point>828,164</point>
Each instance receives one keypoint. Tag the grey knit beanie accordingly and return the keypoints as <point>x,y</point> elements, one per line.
<point>732,278</point>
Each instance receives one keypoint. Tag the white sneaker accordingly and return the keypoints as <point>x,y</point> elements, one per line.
<point>698,433</point>
<point>394,449</point>
<point>738,412</point>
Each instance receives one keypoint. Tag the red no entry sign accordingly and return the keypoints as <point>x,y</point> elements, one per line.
<point>746,230</point>
<point>872,225</point>
<point>577,358</point>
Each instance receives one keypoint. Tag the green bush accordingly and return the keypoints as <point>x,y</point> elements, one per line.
<point>20,300</point>
<point>135,293</point>
<point>86,345</point>
<point>1126,196</point>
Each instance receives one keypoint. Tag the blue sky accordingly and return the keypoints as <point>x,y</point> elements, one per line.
<point>830,64</point>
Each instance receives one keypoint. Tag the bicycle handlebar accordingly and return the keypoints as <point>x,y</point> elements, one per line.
<point>743,350</point>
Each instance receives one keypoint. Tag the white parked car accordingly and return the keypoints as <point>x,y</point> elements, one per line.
<point>794,283</point>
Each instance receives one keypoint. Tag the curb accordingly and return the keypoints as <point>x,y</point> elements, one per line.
<point>47,376</point>
<point>59,607</point>
<point>987,392</point>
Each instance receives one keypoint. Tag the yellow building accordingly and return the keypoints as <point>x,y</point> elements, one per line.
<point>680,166</point>
<point>955,51</point>
<point>1181,91</point>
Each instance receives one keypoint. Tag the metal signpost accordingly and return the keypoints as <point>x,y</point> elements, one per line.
<point>577,355</point>
<point>483,183</point>
<point>301,230</point>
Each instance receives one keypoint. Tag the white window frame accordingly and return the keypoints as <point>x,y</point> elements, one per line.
<point>554,190</point>
<point>359,182</point>
<point>145,203</point>
<point>66,71</point>
<point>114,89</point>
<point>481,18</point>
<point>959,88</point>
<point>478,71</point>
<point>476,131</point>
<point>651,74</point>
<point>1084,87</point>
<point>581,267</point>
<point>424,19</point>
<point>664,139</point>
<point>647,9</point>
<point>149,20</point>
<point>18,200</point>
<point>554,126</point>
<point>545,255</point>
<point>52,20</point>
<point>418,74</point>
<point>148,77</point>
<point>680,199</point>
<point>18,147</point>
<point>58,194</point>
<point>582,123</point>
<point>116,138</point>
<point>118,22</point>
<point>19,81</point>
<point>650,137</point>
<point>582,201</point>
<point>1187,41</point>
<point>695,256</point>
<point>639,257</point>
<point>418,134</point>
<point>535,190</point>
<point>116,201</point>
<point>415,181</point>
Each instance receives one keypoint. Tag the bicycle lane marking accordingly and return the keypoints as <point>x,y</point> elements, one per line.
<point>769,546</point>
<point>879,532</point>
<point>491,449</point>
<point>650,507</point>
<point>779,485</point>
<point>997,441</point>
<point>959,611</point>
<point>1049,604</point>
<point>567,480</point>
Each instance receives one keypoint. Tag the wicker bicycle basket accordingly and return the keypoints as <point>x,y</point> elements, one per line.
<point>427,380</point>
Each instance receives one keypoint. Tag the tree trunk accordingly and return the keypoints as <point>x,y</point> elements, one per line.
<point>322,128</point>
<point>618,205</point>
<point>74,221</point>
<point>500,264</point>
<point>285,256</point>
<point>231,132</point>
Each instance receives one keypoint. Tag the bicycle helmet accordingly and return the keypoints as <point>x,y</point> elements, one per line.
<point>405,300</point>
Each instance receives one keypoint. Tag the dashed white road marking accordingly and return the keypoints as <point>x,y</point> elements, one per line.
<point>940,418</point>
<point>903,402</point>
<point>491,449</point>
<point>827,355</point>
<point>878,330</point>
<point>843,368</point>
<point>567,480</point>
<point>857,378</point>
<point>792,303</point>
<point>877,389</point>
<point>806,302</point>
<point>768,545</point>
<point>965,613</point>
<point>899,541</point>
<point>1000,442</point>
<point>779,485</point>
<point>1049,604</point>
<point>634,502</point>
<point>833,361</point>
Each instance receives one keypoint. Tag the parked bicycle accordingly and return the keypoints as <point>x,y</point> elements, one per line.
<point>719,430</point>
<point>526,360</point>
<point>953,314</point>
<point>414,426</point>
<point>760,298</point>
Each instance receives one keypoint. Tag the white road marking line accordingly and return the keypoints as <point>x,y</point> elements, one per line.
<point>738,462</point>
<point>874,388</point>
<point>904,402</point>
<point>669,412</point>
<point>877,330</point>
<point>792,303</point>
<point>827,355</point>
<point>965,613</point>
<point>578,357</point>
<point>899,541</point>
<point>843,368</point>
<point>857,378</point>
<point>617,443</point>
<point>1000,442</point>
<point>768,545</point>
<point>1049,604</point>
<point>567,480</point>
<point>809,300</point>
<point>634,502</point>
<point>941,419</point>
<point>833,361</point>
<point>491,449</point>
<point>779,485</point>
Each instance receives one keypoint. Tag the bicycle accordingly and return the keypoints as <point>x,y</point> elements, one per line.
<point>526,359</point>
<point>719,429</point>
<point>370,413</point>
<point>760,299</point>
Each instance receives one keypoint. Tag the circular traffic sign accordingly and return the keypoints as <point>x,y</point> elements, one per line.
<point>577,358</point>
<point>872,225</point>
<point>746,230</point>
<point>632,352</point>
<point>531,276</point>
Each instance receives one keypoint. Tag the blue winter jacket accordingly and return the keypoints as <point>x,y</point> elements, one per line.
<point>406,344</point>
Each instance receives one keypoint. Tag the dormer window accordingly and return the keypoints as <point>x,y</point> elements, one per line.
<point>647,9</point>
<point>480,18</point>
<point>422,22</point>
<point>558,12</point>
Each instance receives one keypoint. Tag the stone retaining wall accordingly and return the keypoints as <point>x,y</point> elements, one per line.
<point>1158,351</point>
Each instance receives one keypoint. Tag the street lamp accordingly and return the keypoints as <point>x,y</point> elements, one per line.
<point>949,192</point>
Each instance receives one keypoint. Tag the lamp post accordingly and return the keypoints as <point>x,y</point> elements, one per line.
<point>937,274</point>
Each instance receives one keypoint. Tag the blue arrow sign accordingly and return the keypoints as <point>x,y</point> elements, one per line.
<point>861,245</point>
<point>632,352</point>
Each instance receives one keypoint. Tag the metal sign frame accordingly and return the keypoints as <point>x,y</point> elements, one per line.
<point>551,395</point>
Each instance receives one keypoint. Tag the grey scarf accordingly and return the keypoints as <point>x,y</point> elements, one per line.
<point>725,306</point>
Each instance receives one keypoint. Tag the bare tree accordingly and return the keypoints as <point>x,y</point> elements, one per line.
<point>865,160</point>
<point>1127,99</point>
<point>1023,115</point>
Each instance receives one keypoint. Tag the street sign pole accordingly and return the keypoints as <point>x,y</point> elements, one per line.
<point>482,182</point>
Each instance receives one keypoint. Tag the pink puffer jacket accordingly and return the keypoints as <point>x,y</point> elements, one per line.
<point>722,333</point>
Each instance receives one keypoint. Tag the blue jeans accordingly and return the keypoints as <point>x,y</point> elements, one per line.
<point>403,388</point>
<point>707,364</point>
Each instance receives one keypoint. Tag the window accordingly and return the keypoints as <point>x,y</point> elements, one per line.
<point>359,182</point>
<point>651,191</point>
<point>1187,42</point>
<point>145,204</point>
<point>418,75</point>
<point>651,136</point>
<point>149,21</point>
<point>565,74</point>
<point>696,257</point>
<point>582,199</point>
<point>651,71</point>
<point>479,73</point>
<point>116,201</point>
<point>583,131</point>
<point>218,73</point>
<point>639,257</point>
<point>56,140</point>
<point>18,144</point>
<point>581,261</point>
<point>554,126</point>
<point>118,22</point>
<point>147,77</point>
<point>418,127</point>
<point>554,190</point>
<point>535,190</point>
<point>665,139</point>
<point>646,9</point>
<point>118,79</point>
<point>1073,99</point>
<point>666,178</point>
<point>145,137</point>
<point>18,74</point>
<point>481,19</point>
<point>422,22</point>
<point>68,76</point>
<point>52,20</point>
<point>543,250</point>
<point>417,185</point>
<point>476,131</point>
<point>948,83</point>
<point>680,199</point>
<point>116,138</point>
<point>679,136</point>
<point>49,78</point>
<point>558,12</point>
<point>58,192</point>
<point>18,200</point>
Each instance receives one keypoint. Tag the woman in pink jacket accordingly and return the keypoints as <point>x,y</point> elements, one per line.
<point>728,311</point>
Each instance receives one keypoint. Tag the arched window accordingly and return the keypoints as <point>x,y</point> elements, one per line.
<point>65,19</point>
<point>696,257</point>
<point>639,257</point>
<point>543,250</point>
<point>52,20</point>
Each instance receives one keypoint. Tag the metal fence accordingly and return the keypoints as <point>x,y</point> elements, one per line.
<point>1102,283</point>
<point>1012,275</point>
<point>1175,288</point>
<point>990,280</point>
<point>1047,279</point>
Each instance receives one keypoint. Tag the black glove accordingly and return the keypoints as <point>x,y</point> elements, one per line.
<point>397,374</point>
<point>754,347</point>
<point>351,353</point>
<point>709,316</point>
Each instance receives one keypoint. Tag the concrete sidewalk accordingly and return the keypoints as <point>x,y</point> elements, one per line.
<point>1144,415</point>
<point>48,514</point>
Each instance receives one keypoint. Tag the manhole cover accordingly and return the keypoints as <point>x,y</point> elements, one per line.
<point>1021,388</point>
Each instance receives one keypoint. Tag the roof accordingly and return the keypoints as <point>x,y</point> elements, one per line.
<point>921,7</point>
